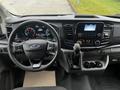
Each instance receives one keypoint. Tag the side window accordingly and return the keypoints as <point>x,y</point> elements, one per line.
<point>2,30</point>
<point>0,25</point>
<point>0,19</point>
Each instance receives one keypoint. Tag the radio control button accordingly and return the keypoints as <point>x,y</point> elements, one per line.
<point>99,35</point>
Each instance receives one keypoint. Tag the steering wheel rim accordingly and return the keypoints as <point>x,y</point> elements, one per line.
<point>30,68</point>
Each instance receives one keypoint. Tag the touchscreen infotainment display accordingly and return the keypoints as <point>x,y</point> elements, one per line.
<point>90,27</point>
<point>89,30</point>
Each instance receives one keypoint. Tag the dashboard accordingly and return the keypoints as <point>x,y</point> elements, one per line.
<point>92,34</point>
<point>99,38</point>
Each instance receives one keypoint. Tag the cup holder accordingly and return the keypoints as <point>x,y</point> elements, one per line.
<point>93,64</point>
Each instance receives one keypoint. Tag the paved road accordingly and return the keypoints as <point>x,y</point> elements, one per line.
<point>31,7</point>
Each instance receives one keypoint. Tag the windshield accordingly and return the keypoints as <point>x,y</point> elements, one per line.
<point>37,7</point>
<point>48,7</point>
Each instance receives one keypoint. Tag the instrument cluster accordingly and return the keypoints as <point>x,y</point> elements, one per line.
<point>33,31</point>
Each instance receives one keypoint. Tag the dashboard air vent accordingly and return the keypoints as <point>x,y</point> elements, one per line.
<point>106,33</point>
<point>68,36</point>
<point>85,16</point>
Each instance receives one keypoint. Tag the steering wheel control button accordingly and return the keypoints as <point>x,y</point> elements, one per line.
<point>17,48</point>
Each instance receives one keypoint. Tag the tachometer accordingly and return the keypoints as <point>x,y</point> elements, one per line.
<point>30,32</point>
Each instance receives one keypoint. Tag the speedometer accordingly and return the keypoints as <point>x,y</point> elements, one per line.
<point>30,32</point>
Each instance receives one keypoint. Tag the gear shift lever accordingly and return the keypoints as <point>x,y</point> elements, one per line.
<point>77,47</point>
<point>77,55</point>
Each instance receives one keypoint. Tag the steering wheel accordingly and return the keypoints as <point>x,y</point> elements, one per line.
<point>35,49</point>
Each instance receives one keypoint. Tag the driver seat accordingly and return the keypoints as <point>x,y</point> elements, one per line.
<point>41,88</point>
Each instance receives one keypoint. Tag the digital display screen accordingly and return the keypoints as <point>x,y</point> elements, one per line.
<point>90,27</point>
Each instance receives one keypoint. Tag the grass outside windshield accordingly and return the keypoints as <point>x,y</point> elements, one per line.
<point>99,7</point>
<point>37,7</point>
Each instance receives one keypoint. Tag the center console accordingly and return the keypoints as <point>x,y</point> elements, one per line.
<point>83,56</point>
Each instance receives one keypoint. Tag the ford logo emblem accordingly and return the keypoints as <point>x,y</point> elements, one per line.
<point>34,46</point>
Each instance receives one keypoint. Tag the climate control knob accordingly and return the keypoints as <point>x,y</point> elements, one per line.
<point>97,42</point>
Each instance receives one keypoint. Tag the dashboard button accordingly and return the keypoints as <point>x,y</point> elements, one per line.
<point>97,42</point>
<point>99,35</point>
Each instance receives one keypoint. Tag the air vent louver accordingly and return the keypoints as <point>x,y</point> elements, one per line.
<point>106,33</point>
<point>68,35</point>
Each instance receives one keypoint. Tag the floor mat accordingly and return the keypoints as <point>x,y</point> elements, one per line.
<point>109,80</point>
<point>73,82</point>
<point>37,79</point>
<point>104,83</point>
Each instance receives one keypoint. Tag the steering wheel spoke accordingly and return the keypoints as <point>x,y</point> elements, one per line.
<point>52,53</point>
<point>52,46</point>
<point>38,65</point>
<point>17,47</point>
<point>35,65</point>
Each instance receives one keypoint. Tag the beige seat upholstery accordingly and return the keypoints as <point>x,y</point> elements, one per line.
<point>41,88</point>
